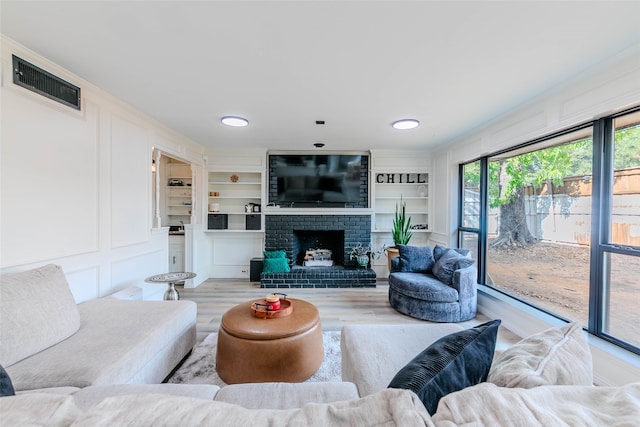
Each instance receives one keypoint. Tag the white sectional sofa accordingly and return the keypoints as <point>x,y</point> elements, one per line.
<point>46,340</point>
<point>544,380</point>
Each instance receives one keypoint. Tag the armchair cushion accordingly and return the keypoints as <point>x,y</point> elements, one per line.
<point>422,287</point>
<point>416,259</point>
<point>449,262</point>
<point>438,251</point>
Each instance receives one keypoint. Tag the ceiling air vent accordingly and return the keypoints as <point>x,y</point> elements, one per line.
<point>38,80</point>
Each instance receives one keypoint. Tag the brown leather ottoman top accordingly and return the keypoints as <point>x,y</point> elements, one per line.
<point>239,322</point>
<point>257,349</point>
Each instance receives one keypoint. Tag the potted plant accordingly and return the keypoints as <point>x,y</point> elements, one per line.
<point>363,254</point>
<point>400,231</point>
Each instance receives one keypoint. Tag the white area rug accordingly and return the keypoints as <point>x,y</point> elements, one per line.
<point>200,367</point>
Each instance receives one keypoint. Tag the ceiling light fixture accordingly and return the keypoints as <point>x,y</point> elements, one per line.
<point>234,121</point>
<point>405,124</point>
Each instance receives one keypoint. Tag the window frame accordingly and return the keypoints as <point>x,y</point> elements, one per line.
<point>602,195</point>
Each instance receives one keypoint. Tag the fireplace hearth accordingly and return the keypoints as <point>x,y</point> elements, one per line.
<point>338,233</point>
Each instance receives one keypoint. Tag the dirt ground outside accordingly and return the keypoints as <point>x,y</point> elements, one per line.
<point>555,277</point>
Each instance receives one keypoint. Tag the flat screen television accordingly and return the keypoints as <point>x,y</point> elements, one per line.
<point>320,180</point>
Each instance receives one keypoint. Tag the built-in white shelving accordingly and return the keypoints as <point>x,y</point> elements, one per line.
<point>179,193</point>
<point>390,188</point>
<point>235,201</point>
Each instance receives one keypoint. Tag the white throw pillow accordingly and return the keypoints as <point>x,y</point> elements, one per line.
<point>557,356</point>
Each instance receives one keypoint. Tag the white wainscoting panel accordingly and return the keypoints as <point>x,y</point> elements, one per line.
<point>49,180</point>
<point>130,183</point>
<point>132,270</point>
<point>84,283</point>
<point>232,253</point>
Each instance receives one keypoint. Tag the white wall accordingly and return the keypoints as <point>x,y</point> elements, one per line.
<point>76,186</point>
<point>610,87</point>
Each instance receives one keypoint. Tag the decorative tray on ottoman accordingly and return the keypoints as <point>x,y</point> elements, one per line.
<point>264,308</point>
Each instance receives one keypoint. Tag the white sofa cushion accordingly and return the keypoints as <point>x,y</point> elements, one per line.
<point>285,395</point>
<point>117,343</point>
<point>373,354</point>
<point>387,408</point>
<point>556,356</point>
<point>37,311</point>
<point>92,395</point>
<point>38,409</point>
<point>559,406</point>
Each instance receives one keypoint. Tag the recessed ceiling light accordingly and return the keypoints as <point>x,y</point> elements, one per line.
<point>234,121</point>
<point>405,124</point>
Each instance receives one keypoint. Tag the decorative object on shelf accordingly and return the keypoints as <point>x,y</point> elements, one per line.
<point>174,182</point>
<point>217,221</point>
<point>422,191</point>
<point>253,222</point>
<point>214,207</point>
<point>234,178</point>
<point>401,178</point>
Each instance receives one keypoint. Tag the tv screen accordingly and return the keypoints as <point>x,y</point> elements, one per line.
<point>333,178</point>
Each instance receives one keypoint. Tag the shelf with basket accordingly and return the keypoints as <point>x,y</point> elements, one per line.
<point>235,201</point>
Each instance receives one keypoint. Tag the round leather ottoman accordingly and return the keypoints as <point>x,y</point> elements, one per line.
<point>283,349</point>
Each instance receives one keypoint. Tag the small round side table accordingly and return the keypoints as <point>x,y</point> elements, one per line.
<point>170,279</point>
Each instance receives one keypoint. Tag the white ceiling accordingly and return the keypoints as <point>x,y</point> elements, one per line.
<point>358,65</point>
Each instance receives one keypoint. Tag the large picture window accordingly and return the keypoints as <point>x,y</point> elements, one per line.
<point>560,226</point>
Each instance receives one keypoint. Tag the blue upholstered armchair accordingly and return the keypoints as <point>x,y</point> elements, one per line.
<point>437,284</point>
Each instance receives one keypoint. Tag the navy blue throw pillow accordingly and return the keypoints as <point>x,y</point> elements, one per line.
<point>452,363</point>
<point>415,259</point>
<point>6,387</point>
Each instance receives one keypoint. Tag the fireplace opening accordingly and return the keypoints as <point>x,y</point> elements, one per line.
<point>331,242</point>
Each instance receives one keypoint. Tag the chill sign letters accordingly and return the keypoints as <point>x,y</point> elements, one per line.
<point>400,178</point>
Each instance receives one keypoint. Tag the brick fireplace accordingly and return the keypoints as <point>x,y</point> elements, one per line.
<point>338,233</point>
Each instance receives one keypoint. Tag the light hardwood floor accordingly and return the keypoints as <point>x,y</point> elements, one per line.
<point>337,307</point>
